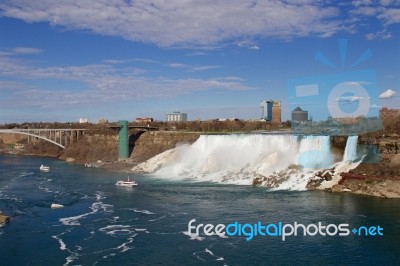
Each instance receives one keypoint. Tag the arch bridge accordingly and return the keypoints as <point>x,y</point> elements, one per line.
<point>59,137</point>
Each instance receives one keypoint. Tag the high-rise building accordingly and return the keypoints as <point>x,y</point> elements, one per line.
<point>271,111</point>
<point>176,117</point>
<point>276,112</point>
<point>266,110</point>
<point>299,115</point>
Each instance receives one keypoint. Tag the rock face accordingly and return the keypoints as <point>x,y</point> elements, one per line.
<point>370,187</point>
<point>389,148</point>
<point>152,143</point>
<point>13,138</point>
<point>91,148</point>
<point>4,218</point>
<point>386,143</point>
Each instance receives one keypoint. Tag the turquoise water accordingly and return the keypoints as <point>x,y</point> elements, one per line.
<point>105,225</point>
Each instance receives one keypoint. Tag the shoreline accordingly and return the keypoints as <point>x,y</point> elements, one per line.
<point>379,187</point>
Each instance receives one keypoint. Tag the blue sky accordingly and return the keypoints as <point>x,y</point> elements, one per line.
<point>62,60</point>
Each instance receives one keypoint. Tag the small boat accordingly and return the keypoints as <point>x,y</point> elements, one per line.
<point>44,168</point>
<point>126,183</point>
<point>56,206</point>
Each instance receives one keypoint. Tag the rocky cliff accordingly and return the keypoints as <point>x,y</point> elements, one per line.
<point>152,143</point>
<point>92,148</point>
<point>379,179</point>
<point>104,147</point>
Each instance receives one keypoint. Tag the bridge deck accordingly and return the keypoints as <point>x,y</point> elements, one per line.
<point>136,127</point>
<point>57,136</point>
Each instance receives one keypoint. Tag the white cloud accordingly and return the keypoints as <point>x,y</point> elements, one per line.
<point>383,34</point>
<point>191,68</point>
<point>26,50</point>
<point>177,65</point>
<point>389,93</point>
<point>387,11</point>
<point>196,54</point>
<point>114,61</point>
<point>98,84</point>
<point>390,15</point>
<point>183,23</point>
<point>20,50</point>
<point>349,99</point>
<point>248,44</point>
<point>203,68</point>
<point>145,60</point>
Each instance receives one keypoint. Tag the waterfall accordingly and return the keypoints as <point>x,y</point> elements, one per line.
<point>350,152</point>
<point>238,159</point>
<point>315,152</point>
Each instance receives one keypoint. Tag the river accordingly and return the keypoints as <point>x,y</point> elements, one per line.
<point>102,224</point>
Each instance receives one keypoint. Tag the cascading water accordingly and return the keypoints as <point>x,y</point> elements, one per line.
<point>315,152</point>
<point>238,159</point>
<point>350,152</point>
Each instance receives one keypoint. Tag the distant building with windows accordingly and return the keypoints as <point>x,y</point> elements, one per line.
<point>276,112</point>
<point>83,120</point>
<point>299,115</point>
<point>176,117</point>
<point>271,111</point>
<point>102,121</point>
<point>144,120</point>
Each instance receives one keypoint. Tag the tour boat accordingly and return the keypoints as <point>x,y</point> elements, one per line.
<point>126,183</point>
<point>44,168</point>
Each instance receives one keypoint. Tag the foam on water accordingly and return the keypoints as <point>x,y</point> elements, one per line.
<point>23,174</point>
<point>193,236</point>
<point>96,206</point>
<point>161,217</point>
<point>147,212</point>
<point>117,229</point>
<point>62,244</point>
<point>200,256</point>
<point>238,159</point>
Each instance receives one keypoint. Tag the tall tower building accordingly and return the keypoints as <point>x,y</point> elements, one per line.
<point>276,112</point>
<point>271,111</point>
<point>266,110</point>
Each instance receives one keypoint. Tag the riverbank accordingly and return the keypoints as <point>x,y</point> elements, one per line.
<point>101,151</point>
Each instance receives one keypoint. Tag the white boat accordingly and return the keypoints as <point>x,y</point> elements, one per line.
<point>126,183</point>
<point>56,206</point>
<point>44,168</point>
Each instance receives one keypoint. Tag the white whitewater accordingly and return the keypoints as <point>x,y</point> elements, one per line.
<point>238,159</point>
<point>350,152</point>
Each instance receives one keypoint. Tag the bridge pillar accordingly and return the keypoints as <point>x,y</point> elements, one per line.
<point>65,138</point>
<point>123,140</point>
<point>72,136</point>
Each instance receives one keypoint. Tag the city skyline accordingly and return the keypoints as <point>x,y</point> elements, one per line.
<point>127,59</point>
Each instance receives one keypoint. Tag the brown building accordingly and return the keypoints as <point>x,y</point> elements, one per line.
<point>144,120</point>
<point>276,112</point>
<point>389,114</point>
